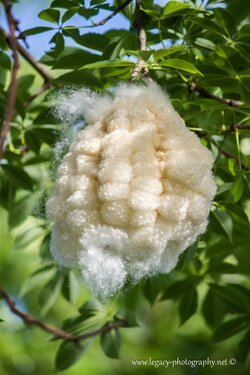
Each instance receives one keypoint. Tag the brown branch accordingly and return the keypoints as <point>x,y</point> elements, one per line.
<point>40,68</point>
<point>234,127</point>
<point>12,90</point>
<point>114,13</point>
<point>206,94</point>
<point>141,66</point>
<point>229,155</point>
<point>58,332</point>
<point>40,91</point>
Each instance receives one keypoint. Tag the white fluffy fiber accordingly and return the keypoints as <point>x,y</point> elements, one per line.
<point>134,190</point>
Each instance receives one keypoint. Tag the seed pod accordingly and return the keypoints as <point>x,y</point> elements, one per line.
<point>133,191</point>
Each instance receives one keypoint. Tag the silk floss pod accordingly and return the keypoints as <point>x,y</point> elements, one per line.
<point>133,191</point>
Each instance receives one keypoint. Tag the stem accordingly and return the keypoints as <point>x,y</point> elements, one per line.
<point>58,332</point>
<point>206,94</point>
<point>12,90</point>
<point>114,13</point>
<point>141,66</point>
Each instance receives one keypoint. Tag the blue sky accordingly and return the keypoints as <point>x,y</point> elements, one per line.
<point>26,12</point>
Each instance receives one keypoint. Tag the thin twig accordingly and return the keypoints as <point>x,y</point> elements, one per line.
<point>58,332</point>
<point>12,90</point>
<point>206,94</point>
<point>114,13</point>
<point>40,91</point>
<point>234,127</point>
<point>229,155</point>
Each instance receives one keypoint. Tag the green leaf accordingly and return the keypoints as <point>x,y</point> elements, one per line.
<point>144,55</point>
<point>5,61</point>
<point>59,44</point>
<point>44,251</point>
<point>21,209</point>
<point>68,354</point>
<point>224,188</point>
<point>64,4</point>
<point>225,221</point>
<point>50,293</point>
<point>236,190</point>
<point>213,309</point>
<point>3,43</point>
<point>160,53</point>
<point>76,59</point>
<point>79,77</point>
<point>188,304</point>
<point>35,135</point>
<point>226,20</point>
<point>50,15</point>
<point>230,328</point>
<point>96,2</point>
<point>205,43</point>
<point>24,239</point>
<point>93,41</point>
<point>69,14</point>
<point>35,30</point>
<point>110,343</point>
<point>32,141</point>
<point>244,347</point>
<point>236,295</point>
<point>109,64</point>
<point>18,176</point>
<point>175,8</point>
<point>207,24</point>
<point>88,12</point>
<point>181,65</point>
<point>178,288</point>
<point>25,82</point>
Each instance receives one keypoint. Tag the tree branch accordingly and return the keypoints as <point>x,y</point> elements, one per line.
<point>114,13</point>
<point>141,66</point>
<point>40,68</point>
<point>206,94</point>
<point>58,332</point>
<point>43,88</point>
<point>234,127</point>
<point>233,157</point>
<point>12,90</point>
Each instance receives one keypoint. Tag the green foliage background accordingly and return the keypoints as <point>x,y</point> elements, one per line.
<point>202,308</point>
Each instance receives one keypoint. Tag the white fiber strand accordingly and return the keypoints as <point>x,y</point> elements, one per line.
<point>133,191</point>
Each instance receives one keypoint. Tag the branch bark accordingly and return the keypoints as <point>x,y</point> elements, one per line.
<point>114,13</point>
<point>206,94</point>
<point>55,331</point>
<point>228,155</point>
<point>234,127</point>
<point>141,66</point>
<point>12,90</point>
<point>40,68</point>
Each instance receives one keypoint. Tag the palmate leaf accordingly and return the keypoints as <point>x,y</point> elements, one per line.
<point>188,304</point>
<point>110,343</point>
<point>225,221</point>
<point>109,64</point>
<point>174,8</point>
<point>160,53</point>
<point>50,15</point>
<point>67,354</point>
<point>231,328</point>
<point>177,64</point>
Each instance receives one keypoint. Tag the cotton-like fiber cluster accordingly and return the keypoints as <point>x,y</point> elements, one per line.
<point>133,191</point>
